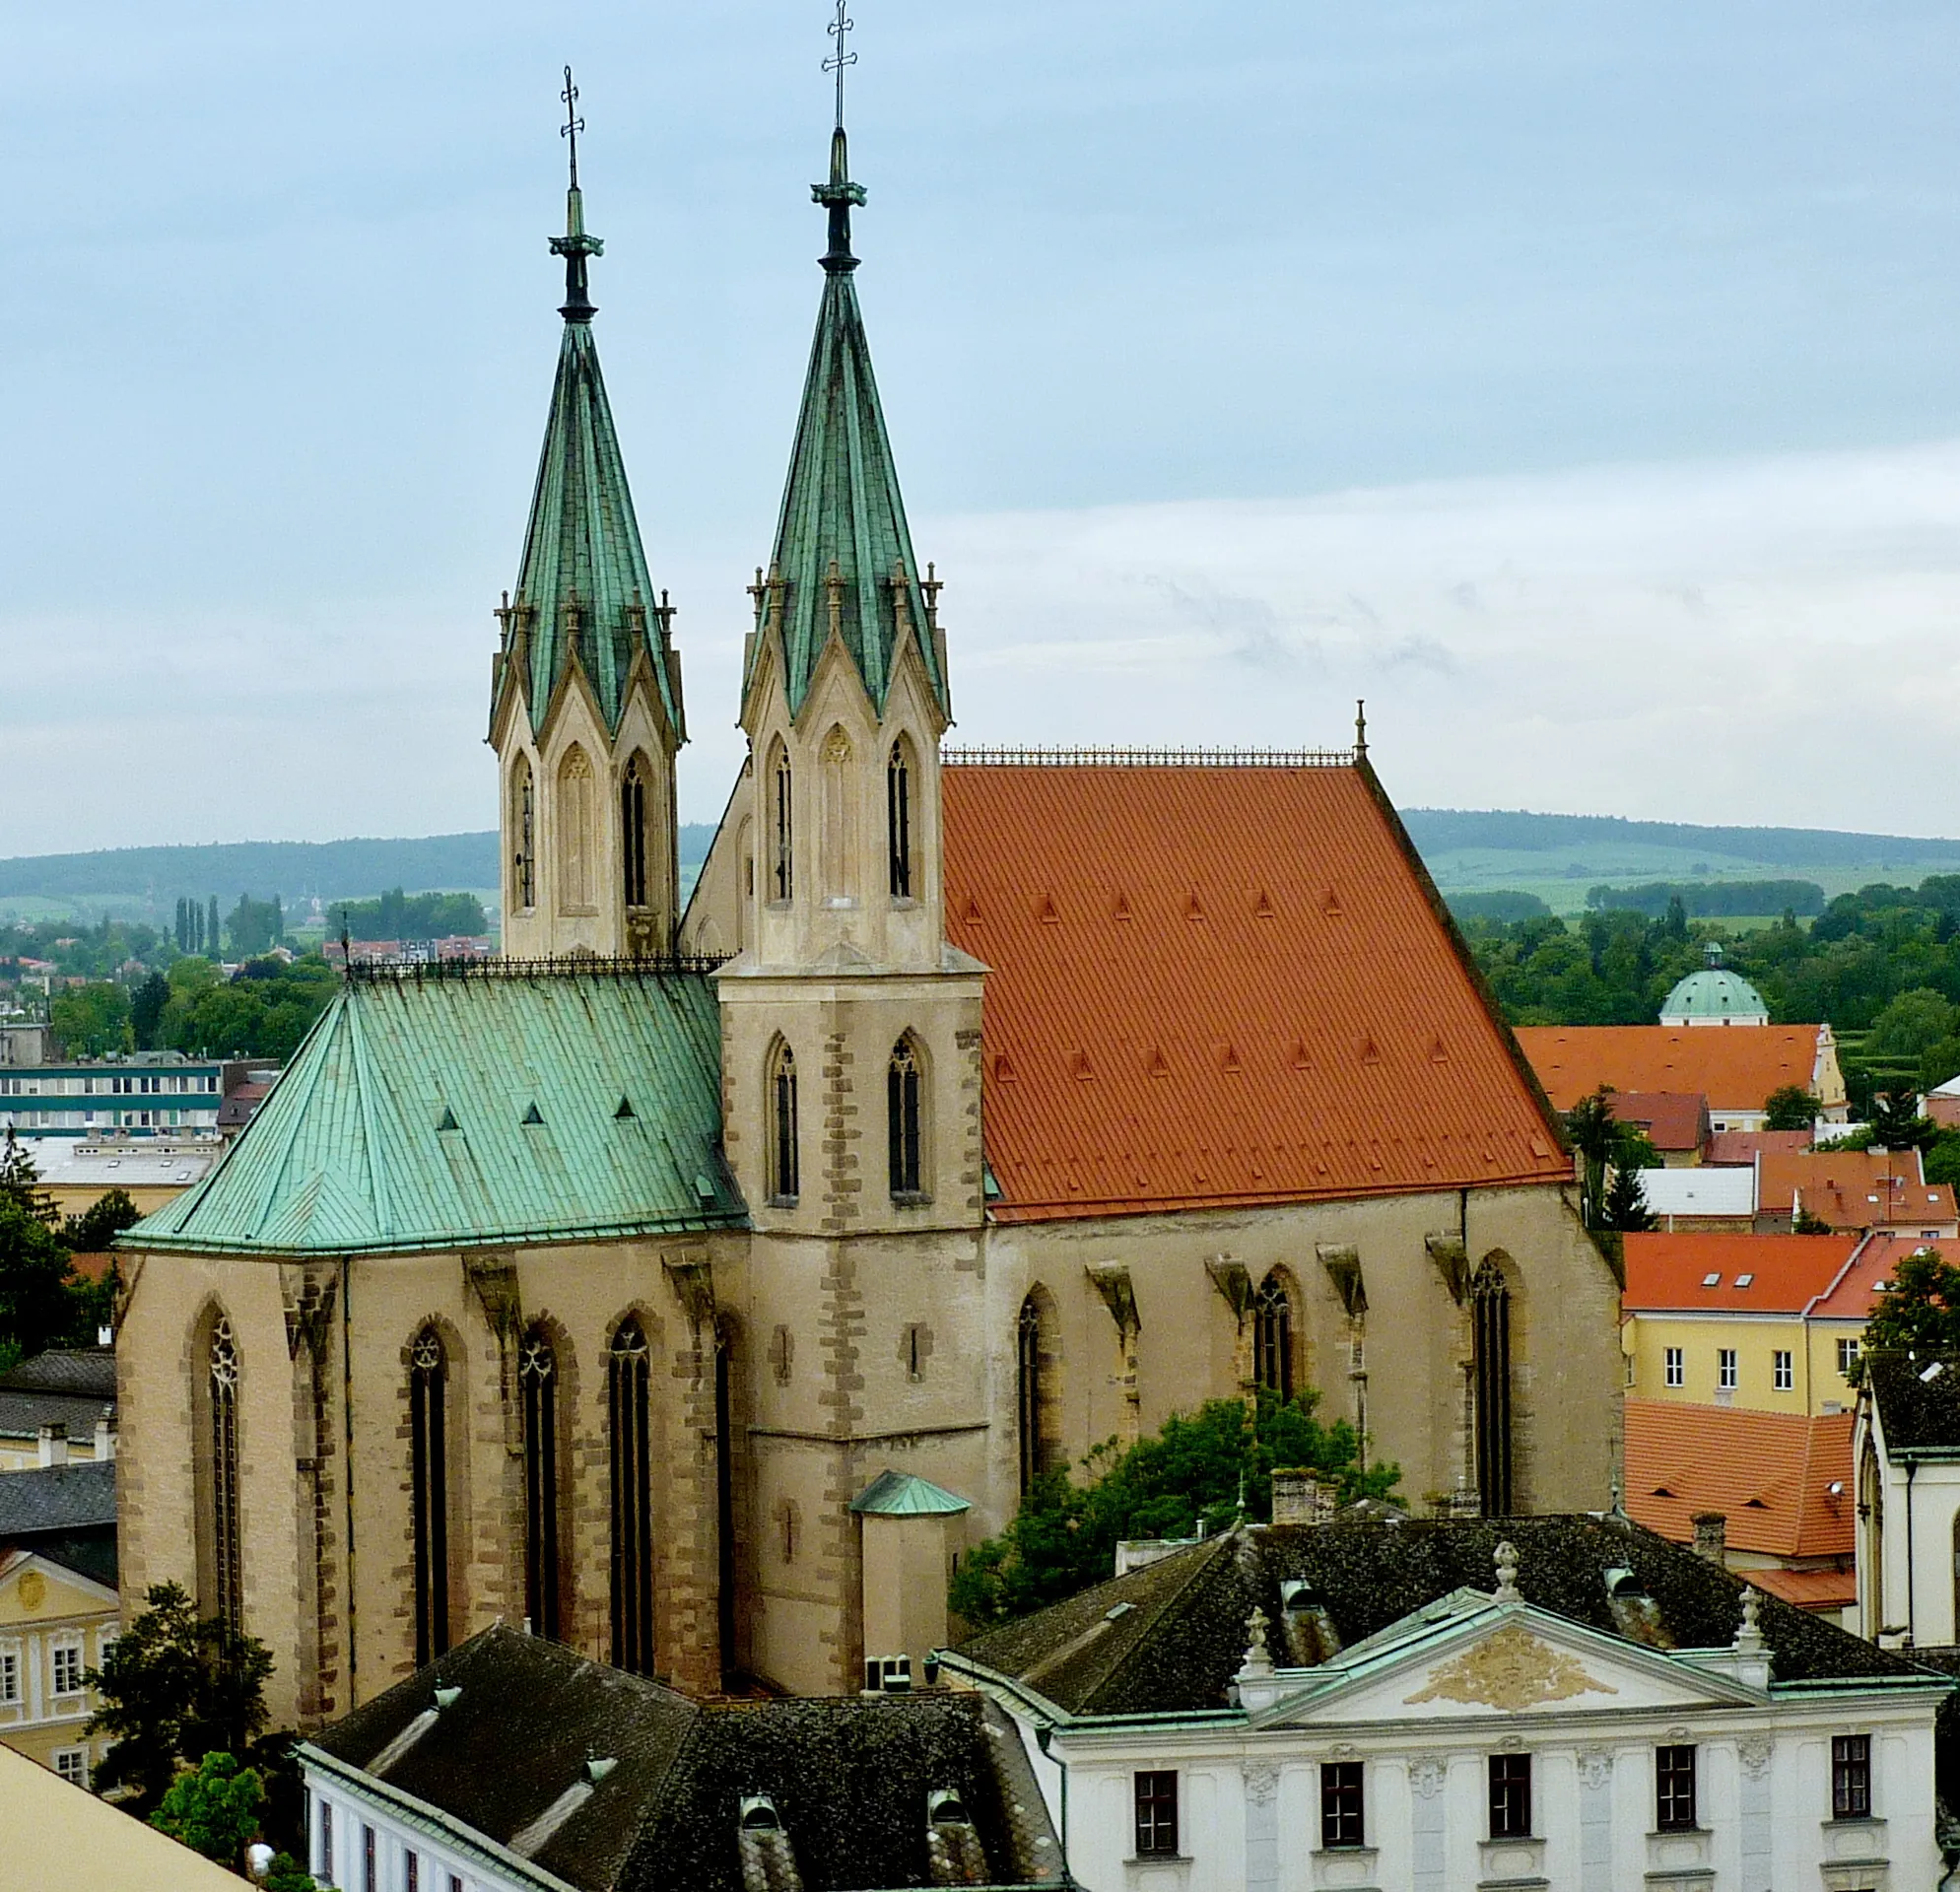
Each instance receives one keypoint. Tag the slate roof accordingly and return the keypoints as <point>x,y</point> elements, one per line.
<point>56,1498</point>
<point>1180,1644</point>
<point>1735,1069</point>
<point>849,1778</point>
<point>1668,1273</point>
<point>353,1150</point>
<point>1917,1416</point>
<point>22,1415</point>
<point>1222,983</point>
<point>841,508</point>
<point>1769,1473</point>
<point>85,1372</point>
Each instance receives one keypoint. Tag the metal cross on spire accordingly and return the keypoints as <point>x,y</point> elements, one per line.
<point>574,124</point>
<point>841,55</point>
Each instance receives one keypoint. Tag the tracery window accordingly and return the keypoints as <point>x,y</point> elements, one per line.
<point>1272,1336</point>
<point>523,834</point>
<point>898,818</point>
<point>781,828</point>
<point>628,1370</point>
<point>227,1539</point>
<point>537,1384</point>
<point>902,1113</point>
<point>573,839</point>
<point>429,1485</point>
<point>782,1160</point>
<point>1490,1336</point>
<point>633,831</point>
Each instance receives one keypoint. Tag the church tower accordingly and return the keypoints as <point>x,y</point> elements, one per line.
<point>586,689</point>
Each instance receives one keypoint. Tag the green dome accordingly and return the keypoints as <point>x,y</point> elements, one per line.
<point>1715,995</point>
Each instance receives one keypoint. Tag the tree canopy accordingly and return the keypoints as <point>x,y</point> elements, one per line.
<point>92,1020</point>
<point>1211,1467</point>
<point>215,1808</point>
<point>1920,1310</point>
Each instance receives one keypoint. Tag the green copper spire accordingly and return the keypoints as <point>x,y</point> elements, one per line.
<point>844,558</point>
<point>583,591</point>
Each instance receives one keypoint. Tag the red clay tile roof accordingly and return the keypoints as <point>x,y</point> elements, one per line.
<point>1767,1472</point>
<point>1222,985</point>
<point>1855,1293</point>
<point>1808,1589</point>
<point>1735,1067</point>
<point>1787,1271</point>
<point>1902,1209</point>
<point>1673,1119</point>
<point>1855,1172</point>
<point>1738,1149</point>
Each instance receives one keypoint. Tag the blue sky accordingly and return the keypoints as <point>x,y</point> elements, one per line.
<point>1577,381</point>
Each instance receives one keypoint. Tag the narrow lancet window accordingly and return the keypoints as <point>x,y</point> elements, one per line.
<point>537,1381</point>
<point>523,834</point>
<point>227,1537</point>
<point>633,831</point>
<point>782,1163</point>
<point>1490,1314</point>
<point>573,839</point>
<point>1272,1336</point>
<point>428,1480</point>
<point>902,1106</point>
<point>782,875</point>
<point>1037,1392</point>
<point>897,819</point>
<point>626,1374</point>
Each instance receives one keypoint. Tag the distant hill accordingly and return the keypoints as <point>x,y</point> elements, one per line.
<point>1447,830</point>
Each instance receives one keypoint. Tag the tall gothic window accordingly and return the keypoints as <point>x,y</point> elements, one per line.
<point>781,828</point>
<point>227,1537</point>
<point>1272,1336</point>
<point>902,1111</point>
<point>573,839</point>
<point>428,1483</point>
<point>627,1372</point>
<point>838,839</point>
<point>1490,1333</point>
<point>523,834</point>
<point>782,1164</point>
<point>633,831</point>
<point>1037,1390</point>
<point>537,1381</point>
<point>898,818</point>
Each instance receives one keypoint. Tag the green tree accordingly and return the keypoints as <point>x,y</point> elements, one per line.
<point>255,925</point>
<point>215,1809</point>
<point>172,1690</point>
<point>1201,1468</point>
<point>146,1010</point>
<point>1920,1310</point>
<point>1625,1208</point>
<point>92,1020</point>
<point>1910,1026</point>
<point>39,1303</point>
<point>1789,1107</point>
<point>1804,1223</point>
<point>1896,1122</point>
<point>20,1181</point>
<point>1595,1133</point>
<point>106,1218</point>
<point>287,1875</point>
<point>214,933</point>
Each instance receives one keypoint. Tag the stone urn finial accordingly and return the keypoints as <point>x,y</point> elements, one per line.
<point>1507,1575</point>
<point>1749,1637</point>
<point>1258,1656</point>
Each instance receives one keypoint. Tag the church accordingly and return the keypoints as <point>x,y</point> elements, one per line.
<point>695,1285</point>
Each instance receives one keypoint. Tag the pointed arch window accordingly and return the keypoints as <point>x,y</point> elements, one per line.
<point>782,1160</point>
<point>902,1116</point>
<point>781,828</point>
<point>633,798</point>
<point>898,818</point>
<point>1272,1336</point>
<point>537,1384</point>
<point>429,1485</point>
<point>227,1536</point>
<point>523,834</point>
<point>1037,1391</point>
<point>837,841</point>
<point>573,839</point>
<point>628,1370</point>
<point>1490,1340</point>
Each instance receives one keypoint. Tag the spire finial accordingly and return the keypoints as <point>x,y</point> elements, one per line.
<point>575,245</point>
<point>1360,730</point>
<point>840,193</point>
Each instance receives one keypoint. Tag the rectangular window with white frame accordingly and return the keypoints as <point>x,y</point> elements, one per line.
<point>66,1658</point>
<point>1157,1815</point>
<point>1676,1366</point>
<point>1847,1357</point>
<point>9,1674</point>
<point>72,1764</point>
<point>1783,1370</point>
<point>1725,1370</point>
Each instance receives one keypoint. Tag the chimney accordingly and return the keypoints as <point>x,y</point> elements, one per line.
<point>104,1438</point>
<point>1712,1537</point>
<point>1299,1497</point>
<point>55,1444</point>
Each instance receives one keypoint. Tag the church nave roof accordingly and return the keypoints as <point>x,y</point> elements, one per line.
<point>506,1104</point>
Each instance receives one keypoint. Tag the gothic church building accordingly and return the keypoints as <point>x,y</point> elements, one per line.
<point>975,1109</point>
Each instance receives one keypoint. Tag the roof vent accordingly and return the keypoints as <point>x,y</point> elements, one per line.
<point>1121,907</point>
<point>598,1768</point>
<point>1929,1375</point>
<point>759,1814</point>
<point>1330,904</point>
<point>944,1807</point>
<point>447,1697</point>
<point>973,912</point>
<point>1160,1065</point>
<point>704,1192</point>
<point>953,1850</point>
<point>1116,1611</point>
<point>1263,911</point>
<point>1051,912</point>
<point>533,1115</point>
<point>1297,1594</point>
<point>625,1110</point>
<point>1194,907</point>
<point>447,1121</point>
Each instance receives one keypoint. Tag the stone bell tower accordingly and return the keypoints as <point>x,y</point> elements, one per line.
<point>586,689</point>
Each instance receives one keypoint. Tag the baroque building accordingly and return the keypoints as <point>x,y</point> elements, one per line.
<point>696,1285</point>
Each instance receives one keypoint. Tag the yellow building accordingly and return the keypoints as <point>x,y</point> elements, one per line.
<point>1765,1323</point>
<point>55,1624</point>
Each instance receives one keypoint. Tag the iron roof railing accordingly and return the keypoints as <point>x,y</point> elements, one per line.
<point>416,971</point>
<point>1118,758</point>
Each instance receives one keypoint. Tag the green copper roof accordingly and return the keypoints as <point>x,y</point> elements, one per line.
<point>903,1494</point>
<point>842,549</point>
<point>1716,993</point>
<point>582,1105</point>
<point>583,585</point>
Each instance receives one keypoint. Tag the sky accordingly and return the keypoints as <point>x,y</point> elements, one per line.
<point>1577,383</point>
